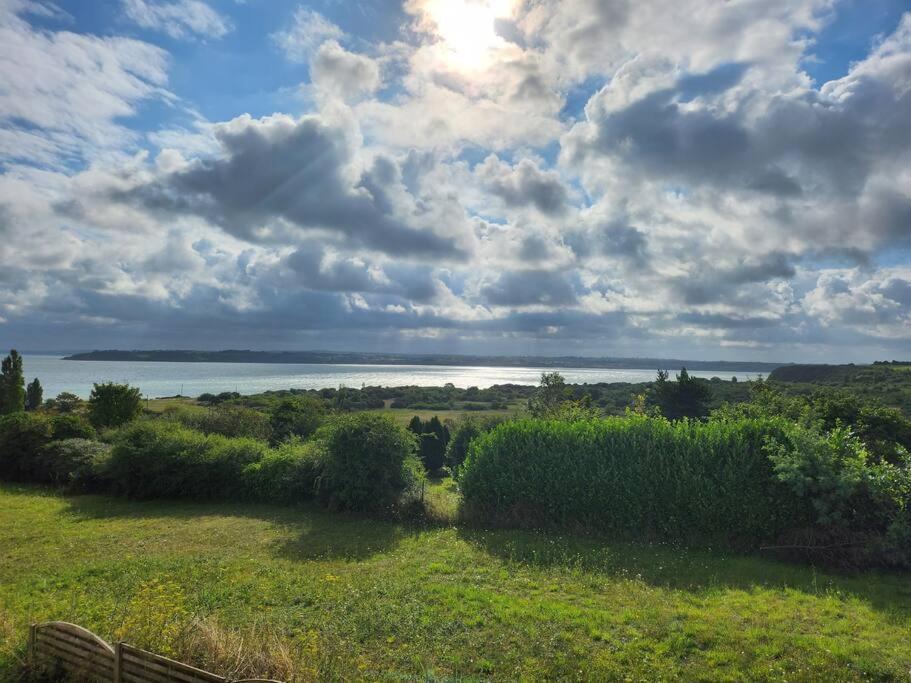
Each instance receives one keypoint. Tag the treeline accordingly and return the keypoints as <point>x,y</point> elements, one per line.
<point>612,398</point>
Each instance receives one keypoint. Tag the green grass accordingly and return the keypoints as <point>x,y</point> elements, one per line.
<point>159,405</point>
<point>352,598</point>
<point>403,415</point>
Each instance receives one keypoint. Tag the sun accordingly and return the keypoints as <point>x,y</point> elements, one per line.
<point>467,29</point>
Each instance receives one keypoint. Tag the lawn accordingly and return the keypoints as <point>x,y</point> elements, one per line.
<point>336,597</point>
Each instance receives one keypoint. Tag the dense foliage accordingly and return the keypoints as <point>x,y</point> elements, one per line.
<point>227,420</point>
<point>34,395</point>
<point>634,475</point>
<point>12,384</point>
<point>433,439</point>
<point>296,417</point>
<point>464,432</point>
<point>158,459</point>
<point>746,480</point>
<point>688,397</point>
<point>368,463</point>
<point>111,405</point>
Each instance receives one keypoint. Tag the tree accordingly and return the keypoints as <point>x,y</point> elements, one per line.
<point>66,402</point>
<point>296,416</point>
<point>687,397</point>
<point>34,395</point>
<point>433,437</point>
<point>12,384</point>
<point>111,405</point>
<point>549,395</point>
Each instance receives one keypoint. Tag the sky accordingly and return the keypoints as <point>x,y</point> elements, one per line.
<point>671,178</point>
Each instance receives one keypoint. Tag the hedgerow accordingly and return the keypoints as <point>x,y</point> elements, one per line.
<point>820,495</point>
<point>635,474</point>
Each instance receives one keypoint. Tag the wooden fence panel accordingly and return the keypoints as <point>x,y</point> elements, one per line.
<point>73,649</point>
<point>82,655</point>
<point>140,666</point>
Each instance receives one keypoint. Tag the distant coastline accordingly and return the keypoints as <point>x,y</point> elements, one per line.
<point>457,360</point>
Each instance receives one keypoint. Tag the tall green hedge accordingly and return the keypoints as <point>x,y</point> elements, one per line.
<point>634,474</point>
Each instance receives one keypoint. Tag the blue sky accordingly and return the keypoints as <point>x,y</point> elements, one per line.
<point>693,178</point>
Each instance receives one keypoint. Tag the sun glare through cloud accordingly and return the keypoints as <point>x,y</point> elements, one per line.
<point>467,29</point>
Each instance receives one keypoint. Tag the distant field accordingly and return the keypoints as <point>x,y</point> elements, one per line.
<point>335,597</point>
<point>401,415</point>
<point>404,415</point>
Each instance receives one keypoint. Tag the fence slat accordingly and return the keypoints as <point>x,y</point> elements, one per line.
<point>79,652</point>
<point>187,673</point>
<point>144,667</point>
<point>86,656</point>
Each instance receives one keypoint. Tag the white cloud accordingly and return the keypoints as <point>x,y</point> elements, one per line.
<point>179,19</point>
<point>62,94</point>
<point>308,30</point>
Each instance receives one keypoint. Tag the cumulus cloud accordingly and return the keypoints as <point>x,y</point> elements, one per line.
<point>651,178</point>
<point>524,185</point>
<point>277,173</point>
<point>336,71</point>
<point>308,30</point>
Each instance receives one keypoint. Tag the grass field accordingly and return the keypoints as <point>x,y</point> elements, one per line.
<point>243,587</point>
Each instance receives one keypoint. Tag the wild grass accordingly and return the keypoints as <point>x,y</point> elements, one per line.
<point>305,595</point>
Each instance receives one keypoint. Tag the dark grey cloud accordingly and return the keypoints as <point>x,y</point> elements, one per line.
<point>825,141</point>
<point>530,287</point>
<point>313,270</point>
<point>708,283</point>
<point>525,185</point>
<point>625,241</point>
<point>293,170</point>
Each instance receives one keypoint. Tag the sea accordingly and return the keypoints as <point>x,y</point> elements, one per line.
<point>157,379</point>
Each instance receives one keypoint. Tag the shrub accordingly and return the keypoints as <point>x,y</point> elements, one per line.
<point>22,437</point>
<point>368,462</point>
<point>71,426</point>
<point>287,473</point>
<point>634,474</point>
<point>111,405</point>
<point>233,421</point>
<point>860,504</point>
<point>299,416</point>
<point>464,432</point>
<point>157,459</point>
<point>73,463</point>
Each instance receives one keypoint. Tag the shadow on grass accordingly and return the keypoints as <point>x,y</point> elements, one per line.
<point>313,533</point>
<point>696,570</point>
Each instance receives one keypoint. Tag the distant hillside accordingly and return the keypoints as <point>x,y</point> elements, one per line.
<point>837,374</point>
<point>356,358</point>
<point>885,382</point>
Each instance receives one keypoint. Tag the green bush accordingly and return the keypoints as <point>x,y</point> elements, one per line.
<point>298,416</point>
<point>73,463</point>
<point>636,474</point>
<point>861,504</point>
<point>71,426</point>
<point>158,459</point>
<point>286,474</point>
<point>22,437</point>
<point>369,462</point>
<point>465,431</point>
<point>112,405</point>
<point>233,421</point>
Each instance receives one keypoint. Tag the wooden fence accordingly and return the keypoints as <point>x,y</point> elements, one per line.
<point>79,654</point>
